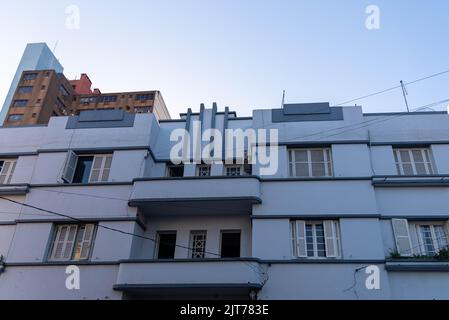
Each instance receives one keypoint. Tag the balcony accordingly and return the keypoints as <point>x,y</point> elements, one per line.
<point>196,195</point>
<point>188,278</point>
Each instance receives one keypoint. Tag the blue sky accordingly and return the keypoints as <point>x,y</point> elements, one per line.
<point>241,54</point>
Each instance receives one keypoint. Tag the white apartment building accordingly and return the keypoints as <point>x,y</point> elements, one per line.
<point>357,208</point>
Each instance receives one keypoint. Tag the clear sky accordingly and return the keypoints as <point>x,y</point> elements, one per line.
<point>243,53</point>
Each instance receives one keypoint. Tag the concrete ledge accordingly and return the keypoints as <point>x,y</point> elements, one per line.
<point>14,190</point>
<point>416,265</point>
<point>411,181</point>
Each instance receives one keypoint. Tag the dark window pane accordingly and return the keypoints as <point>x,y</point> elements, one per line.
<point>230,245</point>
<point>82,171</point>
<point>175,170</point>
<point>167,245</point>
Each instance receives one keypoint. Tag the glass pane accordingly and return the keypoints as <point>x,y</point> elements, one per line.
<point>301,155</point>
<point>318,170</point>
<point>405,156</point>
<point>427,240</point>
<point>420,168</point>
<point>417,156</point>
<point>317,155</point>
<point>407,168</point>
<point>302,170</point>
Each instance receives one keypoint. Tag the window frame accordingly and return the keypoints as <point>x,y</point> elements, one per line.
<point>21,89</point>
<point>95,156</point>
<point>30,76</point>
<point>20,103</point>
<point>168,168</point>
<point>328,162</point>
<point>11,168</point>
<point>55,231</point>
<point>156,248</point>
<point>434,238</point>
<point>314,225</point>
<point>199,167</point>
<point>426,155</point>
<point>19,117</point>
<point>337,239</point>
<point>239,231</point>
<point>191,250</point>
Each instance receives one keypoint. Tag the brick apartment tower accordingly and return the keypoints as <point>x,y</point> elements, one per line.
<point>39,91</point>
<point>41,94</point>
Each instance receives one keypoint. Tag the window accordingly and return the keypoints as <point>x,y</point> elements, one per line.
<point>88,99</point>
<point>87,168</point>
<point>43,87</point>
<point>25,89</point>
<point>29,76</point>
<point>198,244</point>
<point>60,105</point>
<point>63,91</point>
<point>433,238</point>
<point>203,170</point>
<point>175,170</point>
<point>20,103</point>
<point>310,162</point>
<point>146,96</point>
<point>142,109</point>
<point>72,242</point>
<point>7,170</point>
<point>315,239</point>
<point>15,117</point>
<point>232,170</point>
<point>38,101</point>
<point>107,99</point>
<point>230,244</point>
<point>413,161</point>
<point>166,245</point>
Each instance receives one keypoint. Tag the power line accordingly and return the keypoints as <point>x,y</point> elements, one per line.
<point>394,88</point>
<point>367,122</point>
<point>121,231</point>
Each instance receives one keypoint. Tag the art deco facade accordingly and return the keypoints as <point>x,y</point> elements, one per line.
<point>353,193</point>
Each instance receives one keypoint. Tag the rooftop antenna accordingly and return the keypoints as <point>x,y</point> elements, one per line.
<point>405,94</point>
<point>56,44</point>
<point>283,99</point>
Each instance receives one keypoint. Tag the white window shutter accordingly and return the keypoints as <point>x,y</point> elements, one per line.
<point>70,241</point>
<point>330,236</point>
<point>86,242</point>
<point>402,237</point>
<point>7,171</point>
<point>101,168</point>
<point>63,243</point>
<point>58,244</point>
<point>301,248</point>
<point>70,167</point>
